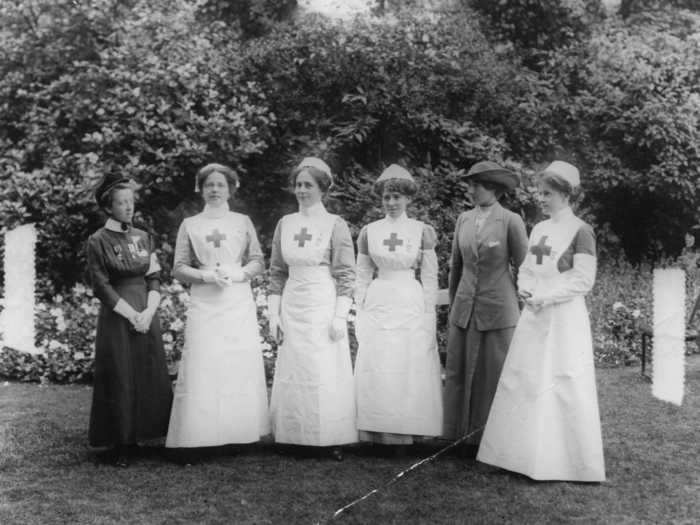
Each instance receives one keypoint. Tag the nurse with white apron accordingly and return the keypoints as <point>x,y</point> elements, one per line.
<point>397,371</point>
<point>544,420</point>
<point>312,273</point>
<point>221,393</point>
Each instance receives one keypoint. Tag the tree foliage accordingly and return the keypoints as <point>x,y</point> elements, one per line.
<point>541,25</point>
<point>156,89</point>
<point>634,105</point>
<point>151,99</point>
<point>253,18</point>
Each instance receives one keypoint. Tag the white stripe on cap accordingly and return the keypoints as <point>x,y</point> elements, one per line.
<point>315,162</point>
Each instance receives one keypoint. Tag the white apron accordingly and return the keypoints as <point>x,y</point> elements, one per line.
<point>397,370</point>
<point>220,394</point>
<point>313,398</point>
<point>544,421</point>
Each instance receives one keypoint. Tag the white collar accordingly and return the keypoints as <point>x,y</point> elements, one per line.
<point>401,218</point>
<point>562,214</point>
<point>217,212</point>
<point>315,210</point>
<point>114,225</point>
<point>484,211</point>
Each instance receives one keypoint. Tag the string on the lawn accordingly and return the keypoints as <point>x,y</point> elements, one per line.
<point>430,458</point>
<point>401,474</point>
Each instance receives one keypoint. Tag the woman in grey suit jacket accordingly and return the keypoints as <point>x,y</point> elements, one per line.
<point>489,243</point>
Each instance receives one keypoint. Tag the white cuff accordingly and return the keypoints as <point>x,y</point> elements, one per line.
<point>428,276</point>
<point>208,276</point>
<point>342,306</point>
<point>124,309</point>
<point>273,305</point>
<point>153,300</point>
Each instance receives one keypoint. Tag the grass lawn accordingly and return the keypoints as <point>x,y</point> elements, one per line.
<point>48,474</point>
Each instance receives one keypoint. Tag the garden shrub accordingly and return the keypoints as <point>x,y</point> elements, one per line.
<point>631,123</point>
<point>66,329</point>
<point>156,89</point>
<point>541,25</point>
<point>154,100</point>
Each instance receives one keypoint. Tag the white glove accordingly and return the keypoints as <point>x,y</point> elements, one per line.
<point>208,276</point>
<point>230,274</point>
<point>574,282</point>
<point>273,314</point>
<point>339,329</point>
<point>339,325</point>
<point>428,278</point>
<point>364,271</point>
<point>126,311</point>
<point>237,275</point>
<point>143,320</point>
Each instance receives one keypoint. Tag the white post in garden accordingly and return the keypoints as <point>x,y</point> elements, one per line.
<point>18,314</point>
<point>668,372</point>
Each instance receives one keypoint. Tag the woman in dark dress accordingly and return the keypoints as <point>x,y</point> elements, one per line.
<point>132,392</point>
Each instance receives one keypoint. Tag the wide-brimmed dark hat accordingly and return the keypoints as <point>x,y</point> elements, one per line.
<point>108,182</point>
<point>487,171</point>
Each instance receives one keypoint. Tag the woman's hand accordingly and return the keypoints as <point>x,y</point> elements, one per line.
<point>338,329</point>
<point>524,295</point>
<point>275,325</point>
<point>534,304</point>
<point>215,277</point>
<point>142,321</point>
<point>273,315</point>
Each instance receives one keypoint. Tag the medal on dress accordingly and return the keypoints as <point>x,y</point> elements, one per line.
<point>136,248</point>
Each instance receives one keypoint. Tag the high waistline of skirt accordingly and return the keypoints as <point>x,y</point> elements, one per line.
<point>397,275</point>
<point>305,273</point>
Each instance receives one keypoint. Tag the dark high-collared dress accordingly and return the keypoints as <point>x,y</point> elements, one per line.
<point>483,313</point>
<point>132,393</point>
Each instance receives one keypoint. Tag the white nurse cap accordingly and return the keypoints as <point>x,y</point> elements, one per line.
<point>566,171</point>
<point>395,172</point>
<point>315,162</point>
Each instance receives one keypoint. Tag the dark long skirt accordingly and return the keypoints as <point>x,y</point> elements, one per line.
<point>132,392</point>
<point>472,370</point>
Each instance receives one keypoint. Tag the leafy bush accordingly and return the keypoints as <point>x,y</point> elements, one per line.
<point>632,7</point>
<point>541,25</point>
<point>150,97</point>
<point>65,333</point>
<point>156,89</point>
<point>629,119</point>
<point>621,305</point>
<point>253,17</point>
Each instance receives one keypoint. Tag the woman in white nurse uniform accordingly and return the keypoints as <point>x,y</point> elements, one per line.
<point>312,273</point>
<point>397,370</point>
<point>544,421</point>
<point>221,394</point>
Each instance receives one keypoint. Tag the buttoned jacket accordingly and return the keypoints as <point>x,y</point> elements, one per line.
<point>483,269</point>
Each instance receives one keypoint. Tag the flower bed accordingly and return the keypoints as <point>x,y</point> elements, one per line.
<point>65,332</point>
<point>621,303</point>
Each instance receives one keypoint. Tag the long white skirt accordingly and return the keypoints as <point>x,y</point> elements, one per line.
<point>397,370</point>
<point>544,421</point>
<point>220,394</point>
<point>313,396</point>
